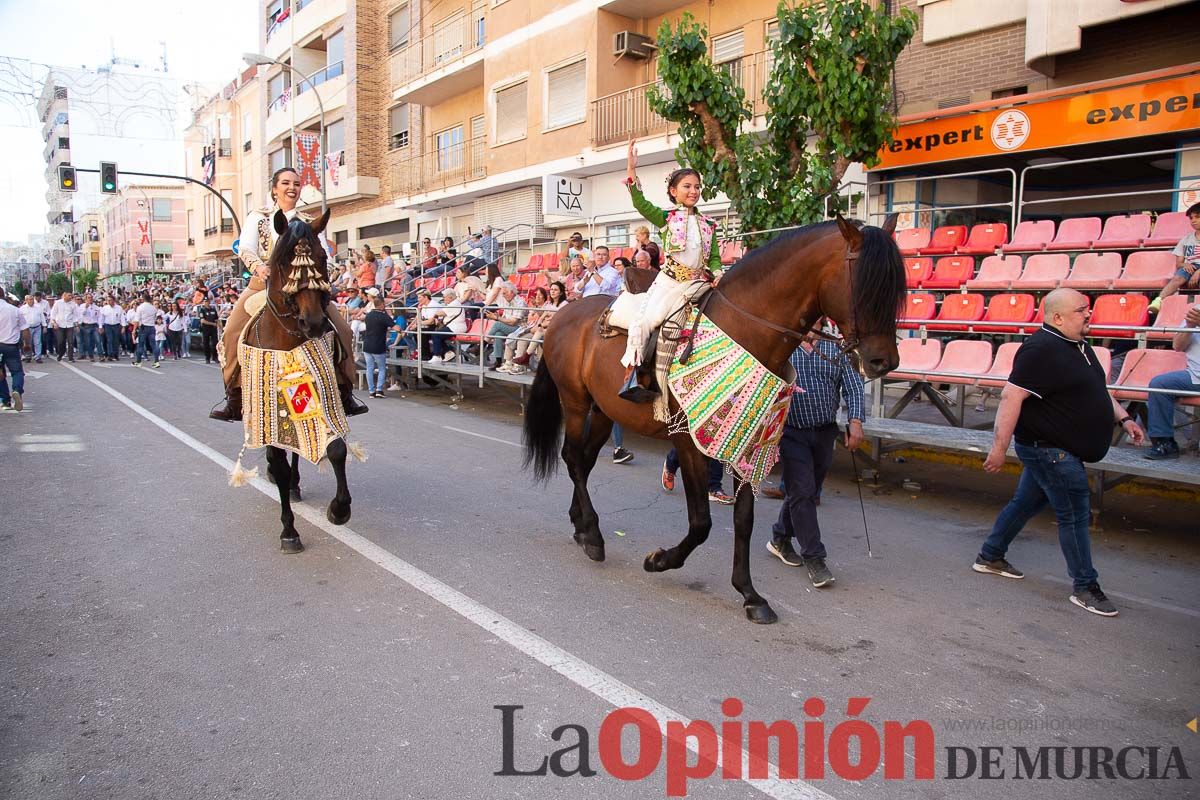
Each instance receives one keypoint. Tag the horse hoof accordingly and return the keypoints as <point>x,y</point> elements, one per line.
<point>761,614</point>
<point>654,561</point>
<point>593,551</point>
<point>291,545</point>
<point>335,518</point>
<point>296,496</point>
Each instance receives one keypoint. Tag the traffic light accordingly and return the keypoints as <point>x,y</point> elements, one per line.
<point>66,178</point>
<point>108,177</point>
<point>247,274</point>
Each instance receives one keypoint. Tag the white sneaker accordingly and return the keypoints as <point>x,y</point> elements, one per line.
<point>435,359</point>
<point>449,356</point>
<point>17,402</point>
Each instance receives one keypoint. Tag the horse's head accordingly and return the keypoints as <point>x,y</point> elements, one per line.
<point>299,272</point>
<point>865,295</point>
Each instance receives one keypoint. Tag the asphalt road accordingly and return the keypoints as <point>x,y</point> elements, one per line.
<point>154,642</point>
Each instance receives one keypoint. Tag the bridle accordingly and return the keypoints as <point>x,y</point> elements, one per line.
<point>301,275</point>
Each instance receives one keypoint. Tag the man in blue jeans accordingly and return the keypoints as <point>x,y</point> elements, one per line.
<point>1162,406</point>
<point>1057,406</point>
<point>10,355</point>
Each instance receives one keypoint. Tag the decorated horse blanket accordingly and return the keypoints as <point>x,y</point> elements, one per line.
<point>733,406</point>
<point>290,398</point>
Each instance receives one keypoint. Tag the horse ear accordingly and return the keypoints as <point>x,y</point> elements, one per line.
<point>889,224</point>
<point>850,233</point>
<point>321,222</point>
<point>280,221</point>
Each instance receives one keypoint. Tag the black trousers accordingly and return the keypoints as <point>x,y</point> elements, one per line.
<point>208,336</point>
<point>805,454</point>
<point>64,341</point>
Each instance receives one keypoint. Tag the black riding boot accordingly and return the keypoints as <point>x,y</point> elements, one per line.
<point>350,404</point>
<point>639,385</point>
<point>231,411</point>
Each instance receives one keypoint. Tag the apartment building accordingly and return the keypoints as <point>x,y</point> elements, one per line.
<point>143,232</point>
<point>223,147</point>
<point>88,243</point>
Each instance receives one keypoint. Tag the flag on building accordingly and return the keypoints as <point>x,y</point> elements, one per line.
<point>308,159</point>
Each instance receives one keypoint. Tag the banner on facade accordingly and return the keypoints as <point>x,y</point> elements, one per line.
<point>564,196</point>
<point>308,159</point>
<point>208,168</point>
<point>1163,106</point>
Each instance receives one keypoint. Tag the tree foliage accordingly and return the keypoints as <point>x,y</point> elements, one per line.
<point>828,101</point>
<point>84,278</point>
<point>56,283</point>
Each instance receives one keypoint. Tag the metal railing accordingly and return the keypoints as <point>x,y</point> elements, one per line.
<point>876,191</point>
<point>328,73</point>
<point>448,42</point>
<point>441,168</point>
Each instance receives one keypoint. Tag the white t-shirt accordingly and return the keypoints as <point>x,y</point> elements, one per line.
<point>174,322</point>
<point>32,315</point>
<point>146,314</point>
<point>1193,355</point>
<point>1189,249</point>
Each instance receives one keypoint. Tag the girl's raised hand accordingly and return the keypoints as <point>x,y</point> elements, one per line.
<point>631,158</point>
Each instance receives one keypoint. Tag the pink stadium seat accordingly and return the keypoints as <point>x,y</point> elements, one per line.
<point>1043,271</point>
<point>1038,318</point>
<point>1104,356</point>
<point>911,240</point>
<point>1170,228</point>
<point>1002,366</point>
<point>1124,232</point>
<point>731,251</point>
<point>1076,233</point>
<point>996,272</point>
<point>965,358</point>
<point>1119,309</point>
<point>1143,365</point>
<point>1094,271</point>
<point>474,333</point>
<point>958,311</point>
<point>1030,236</point>
<point>1171,315</point>
<point>918,307</point>
<point>1009,308</point>
<point>540,280</point>
<point>985,239</point>
<point>945,240</point>
<point>951,272</point>
<point>550,261</point>
<point>1146,269</point>
<point>917,271</point>
<point>916,358</point>
<point>535,263</point>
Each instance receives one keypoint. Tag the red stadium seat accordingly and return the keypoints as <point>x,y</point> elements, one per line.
<point>1143,365</point>
<point>550,261</point>
<point>540,280</point>
<point>966,358</point>
<point>951,272</point>
<point>1043,271</point>
<point>1146,269</point>
<point>1170,228</point>
<point>1030,236</point>
<point>535,263</point>
<point>918,307</point>
<point>917,357</point>
<point>1038,318</point>
<point>1171,315</point>
<point>958,311</point>
<point>1124,232</point>
<point>731,251</point>
<point>1104,356</point>
<point>996,272</point>
<point>1076,233</point>
<point>911,240</point>
<point>1119,309</point>
<point>945,240</point>
<point>985,239</point>
<point>1009,308</point>
<point>917,271</point>
<point>1002,366</point>
<point>1094,271</point>
<point>474,333</point>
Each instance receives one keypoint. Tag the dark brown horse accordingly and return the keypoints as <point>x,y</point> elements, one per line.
<point>297,295</point>
<point>776,293</point>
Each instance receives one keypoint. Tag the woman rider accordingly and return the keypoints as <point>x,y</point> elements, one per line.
<point>258,236</point>
<point>689,244</point>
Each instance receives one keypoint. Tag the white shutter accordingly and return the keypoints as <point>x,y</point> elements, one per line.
<point>512,117</point>
<point>398,25</point>
<point>772,32</point>
<point>566,94</point>
<point>729,47</point>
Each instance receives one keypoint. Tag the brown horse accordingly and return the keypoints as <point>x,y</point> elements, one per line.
<point>766,303</point>
<point>297,295</point>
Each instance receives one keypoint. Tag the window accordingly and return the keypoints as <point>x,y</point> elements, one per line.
<point>161,209</point>
<point>449,146</point>
<point>399,21</point>
<point>226,214</point>
<point>225,135</point>
<point>334,53</point>
<point>280,159</point>
<point>335,136</point>
<point>247,131</point>
<point>512,117</point>
<point>616,235</point>
<point>191,231</point>
<point>64,143</point>
<point>275,87</point>
<point>566,95</point>
<point>727,53</point>
<point>398,130</point>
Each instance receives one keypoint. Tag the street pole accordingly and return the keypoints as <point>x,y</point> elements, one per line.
<point>257,59</point>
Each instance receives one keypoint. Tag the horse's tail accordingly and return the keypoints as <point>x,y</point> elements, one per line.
<point>543,421</point>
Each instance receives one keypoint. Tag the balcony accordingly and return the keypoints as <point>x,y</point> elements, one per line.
<point>61,155</point>
<point>441,169</point>
<point>442,64</point>
<point>616,118</point>
<point>303,107</point>
<point>226,226</point>
<point>306,17</point>
<point>49,100</point>
<point>642,9</point>
<point>210,232</point>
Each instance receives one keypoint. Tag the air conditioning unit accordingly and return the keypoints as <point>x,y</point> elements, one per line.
<point>634,45</point>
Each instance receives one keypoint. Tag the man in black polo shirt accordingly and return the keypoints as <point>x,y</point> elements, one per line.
<point>1062,415</point>
<point>209,327</point>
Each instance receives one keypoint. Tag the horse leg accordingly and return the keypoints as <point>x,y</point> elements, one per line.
<point>694,470</point>
<point>296,496</point>
<point>339,507</point>
<point>584,436</point>
<point>277,465</point>
<point>757,608</point>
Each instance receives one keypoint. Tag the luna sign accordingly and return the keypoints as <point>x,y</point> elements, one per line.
<point>566,197</point>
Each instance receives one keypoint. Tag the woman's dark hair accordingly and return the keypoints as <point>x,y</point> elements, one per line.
<point>624,262</point>
<point>542,291</point>
<point>493,272</point>
<point>562,290</point>
<point>675,177</point>
<point>275,180</point>
<point>448,241</point>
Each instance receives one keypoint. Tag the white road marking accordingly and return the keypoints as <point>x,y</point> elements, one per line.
<point>31,438</point>
<point>571,667</point>
<point>59,447</point>
<point>29,373</point>
<point>1134,599</point>
<point>481,436</point>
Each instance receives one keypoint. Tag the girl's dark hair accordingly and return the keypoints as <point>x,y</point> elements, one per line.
<point>675,177</point>
<point>275,179</point>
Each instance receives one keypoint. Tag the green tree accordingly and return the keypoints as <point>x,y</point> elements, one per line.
<point>85,279</point>
<point>828,103</point>
<point>57,283</point>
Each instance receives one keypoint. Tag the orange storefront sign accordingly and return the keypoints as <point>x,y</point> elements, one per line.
<point>1144,109</point>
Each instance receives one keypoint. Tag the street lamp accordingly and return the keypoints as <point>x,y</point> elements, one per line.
<point>257,60</point>
<point>150,223</point>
